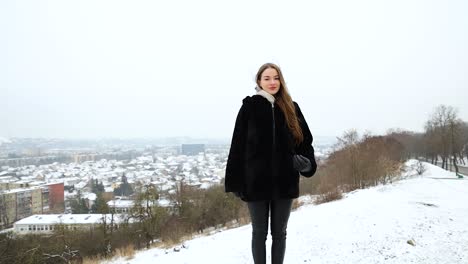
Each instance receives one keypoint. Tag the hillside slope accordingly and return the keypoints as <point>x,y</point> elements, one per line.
<point>367,226</point>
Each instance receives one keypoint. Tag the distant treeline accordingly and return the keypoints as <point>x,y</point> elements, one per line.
<point>367,160</point>
<point>445,138</point>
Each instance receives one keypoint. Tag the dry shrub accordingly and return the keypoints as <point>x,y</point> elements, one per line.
<point>310,185</point>
<point>328,189</point>
<point>329,196</point>
<point>296,204</point>
<point>127,251</point>
<point>244,215</point>
<point>173,231</point>
<point>92,260</point>
<point>420,168</point>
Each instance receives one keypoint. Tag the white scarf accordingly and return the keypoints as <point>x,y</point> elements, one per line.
<point>268,96</point>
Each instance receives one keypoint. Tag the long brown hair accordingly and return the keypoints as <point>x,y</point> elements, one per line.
<point>284,101</point>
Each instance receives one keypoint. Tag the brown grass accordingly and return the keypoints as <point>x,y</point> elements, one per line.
<point>329,196</point>
<point>296,204</point>
<point>126,253</point>
<point>172,243</point>
<point>92,260</point>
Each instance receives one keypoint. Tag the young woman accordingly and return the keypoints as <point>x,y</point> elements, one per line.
<point>271,146</point>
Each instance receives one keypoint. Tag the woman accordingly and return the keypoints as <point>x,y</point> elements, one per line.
<point>271,145</point>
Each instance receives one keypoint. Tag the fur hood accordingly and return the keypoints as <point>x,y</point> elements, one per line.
<point>266,95</point>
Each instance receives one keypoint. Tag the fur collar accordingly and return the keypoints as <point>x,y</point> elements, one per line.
<point>266,95</point>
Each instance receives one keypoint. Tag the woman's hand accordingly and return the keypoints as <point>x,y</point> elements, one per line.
<point>301,163</point>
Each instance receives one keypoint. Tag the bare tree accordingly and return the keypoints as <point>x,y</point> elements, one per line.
<point>148,215</point>
<point>445,135</point>
<point>464,140</point>
<point>456,143</point>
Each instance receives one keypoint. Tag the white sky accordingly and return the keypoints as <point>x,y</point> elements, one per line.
<point>181,68</point>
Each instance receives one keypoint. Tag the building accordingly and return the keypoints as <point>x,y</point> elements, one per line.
<point>79,158</point>
<point>125,206</point>
<point>7,209</point>
<point>50,222</point>
<point>56,196</point>
<point>23,203</point>
<point>19,203</point>
<point>14,185</point>
<point>120,206</point>
<point>36,201</point>
<point>192,149</point>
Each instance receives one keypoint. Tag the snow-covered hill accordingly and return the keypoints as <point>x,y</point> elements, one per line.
<point>367,226</point>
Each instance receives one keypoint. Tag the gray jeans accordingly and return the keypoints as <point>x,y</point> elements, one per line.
<point>259,212</point>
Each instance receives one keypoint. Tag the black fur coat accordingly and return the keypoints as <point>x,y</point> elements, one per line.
<point>259,165</point>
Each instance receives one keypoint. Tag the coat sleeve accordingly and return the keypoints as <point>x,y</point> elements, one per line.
<point>234,178</point>
<point>305,148</point>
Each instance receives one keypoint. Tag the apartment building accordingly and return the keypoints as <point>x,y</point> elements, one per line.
<point>19,203</point>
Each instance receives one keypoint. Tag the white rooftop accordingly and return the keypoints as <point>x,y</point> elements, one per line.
<point>120,203</point>
<point>68,219</point>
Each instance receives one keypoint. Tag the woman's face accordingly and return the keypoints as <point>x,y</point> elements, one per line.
<point>270,81</point>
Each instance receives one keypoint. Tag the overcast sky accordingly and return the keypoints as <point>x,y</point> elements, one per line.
<point>81,69</point>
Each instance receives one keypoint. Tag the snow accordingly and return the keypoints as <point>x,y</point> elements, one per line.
<point>120,203</point>
<point>129,203</point>
<point>91,196</point>
<point>67,219</point>
<point>4,140</point>
<point>367,226</point>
